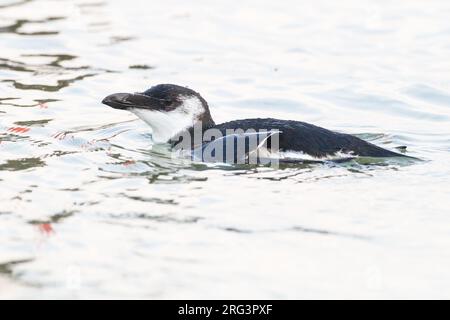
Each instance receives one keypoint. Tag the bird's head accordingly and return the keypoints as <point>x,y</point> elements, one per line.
<point>167,108</point>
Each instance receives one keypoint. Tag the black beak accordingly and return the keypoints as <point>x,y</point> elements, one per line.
<point>125,101</point>
<point>118,101</point>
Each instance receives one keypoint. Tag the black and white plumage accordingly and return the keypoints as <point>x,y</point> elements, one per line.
<point>171,109</point>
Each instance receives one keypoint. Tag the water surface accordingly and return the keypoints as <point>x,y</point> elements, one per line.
<point>90,209</point>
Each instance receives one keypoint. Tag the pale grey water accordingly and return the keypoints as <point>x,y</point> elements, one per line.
<point>89,210</point>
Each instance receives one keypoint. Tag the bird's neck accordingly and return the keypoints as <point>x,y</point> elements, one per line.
<point>192,135</point>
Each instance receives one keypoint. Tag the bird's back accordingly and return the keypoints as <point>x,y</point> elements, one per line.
<point>313,140</point>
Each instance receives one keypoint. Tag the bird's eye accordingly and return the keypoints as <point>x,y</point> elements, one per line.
<point>169,105</point>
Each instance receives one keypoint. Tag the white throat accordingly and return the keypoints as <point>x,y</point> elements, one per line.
<point>166,124</point>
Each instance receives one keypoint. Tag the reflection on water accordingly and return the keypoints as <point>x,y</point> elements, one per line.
<point>50,88</point>
<point>36,102</point>
<point>53,219</point>
<point>51,67</point>
<point>22,164</point>
<point>91,209</point>
<point>14,3</point>
<point>6,268</point>
<point>17,26</point>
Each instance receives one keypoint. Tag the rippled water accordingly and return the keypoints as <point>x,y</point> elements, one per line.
<point>89,209</point>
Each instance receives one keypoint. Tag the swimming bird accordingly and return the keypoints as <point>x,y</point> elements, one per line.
<point>171,109</point>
